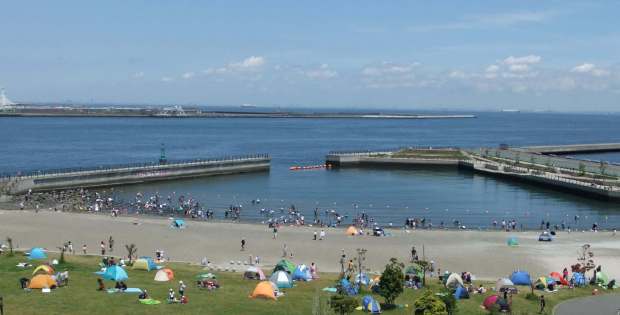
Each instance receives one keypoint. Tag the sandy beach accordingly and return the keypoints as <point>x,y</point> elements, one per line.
<point>484,253</point>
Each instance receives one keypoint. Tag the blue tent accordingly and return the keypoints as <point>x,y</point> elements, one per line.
<point>461,293</point>
<point>362,278</point>
<point>374,307</point>
<point>521,278</point>
<point>302,273</point>
<point>114,273</point>
<point>348,288</point>
<point>579,279</point>
<point>178,223</point>
<point>151,262</point>
<point>37,253</point>
<point>366,300</point>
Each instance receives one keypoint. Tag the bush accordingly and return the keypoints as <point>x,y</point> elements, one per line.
<point>429,304</point>
<point>531,296</point>
<point>447,297</point>
<point>391,283</point>
<point>342,304</point>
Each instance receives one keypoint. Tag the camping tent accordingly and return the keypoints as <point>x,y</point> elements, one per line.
<point>254,273</point>
<point>265,290</point>
<point>285,265</point>
<point>362,278</point>
<point>145,263</point>
<point>45,269</point>
<point>281,279</point>
<point>178,223</point>
<point>512,241</point>
<point>601,278</point>
<point>454,280</point>
<point>371,305</point>
<point>37,253</point>
<point>489,301</point>
<point>114,273</point>
<point>559,279</point>
<point>579,279</point>
<point>542,282</point>
<point>302,272</point>
<point>521,278</point>
<point>352,230</point>
<point>501,283</point>
<point>415,270</point>
<point>42,281</point>
<point>348,288</point>
<point>164,275</point>
<point>461,293</point>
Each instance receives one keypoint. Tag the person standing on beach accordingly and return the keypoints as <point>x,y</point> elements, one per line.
<point>111,244</point>
<point>102,248</point>
<point>242,244</point>
<point>314,236</point>
<point>275,232</point>
<point>322,235</point>
<point>284,250</point>
<point>84,249</point>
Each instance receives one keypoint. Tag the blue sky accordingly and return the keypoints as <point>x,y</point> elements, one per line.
<point>546,55</point>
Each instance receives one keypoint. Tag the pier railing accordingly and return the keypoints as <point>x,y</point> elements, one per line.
<point>388,151</point>
<point>113,167</point>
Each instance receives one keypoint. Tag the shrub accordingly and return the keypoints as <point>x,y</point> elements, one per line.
<point>449,300</point>
<point>342,304</point>
<point>429,304</point>
<point>391,283</point>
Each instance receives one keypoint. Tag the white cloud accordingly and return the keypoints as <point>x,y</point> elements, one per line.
<point>138,75</point>
<point>388,68</point>
<point>529,59</point>
<point>519,68</point>
<point>457,74</point>
<point>322,72</point>
<point>188,75</point>
<point>250,62</point>
<point>167,79</point>
<point>590,68</point>
<point>492,68</point>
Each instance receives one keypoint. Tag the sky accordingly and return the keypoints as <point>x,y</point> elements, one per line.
<point>414,55</point>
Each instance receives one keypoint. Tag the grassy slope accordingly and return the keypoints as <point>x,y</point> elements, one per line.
<point>80,297</point>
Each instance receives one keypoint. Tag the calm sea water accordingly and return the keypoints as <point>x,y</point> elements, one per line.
<point>388,195</point>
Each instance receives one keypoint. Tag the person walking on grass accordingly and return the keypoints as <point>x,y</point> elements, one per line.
<point>542,304</point>
<point>84,249</point>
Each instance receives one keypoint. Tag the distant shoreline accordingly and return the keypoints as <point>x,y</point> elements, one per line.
<point>179,112</point>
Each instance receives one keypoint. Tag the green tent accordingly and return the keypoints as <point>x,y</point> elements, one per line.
<point>415,269</point>
<point>285,265</point>
<point>601,278</point>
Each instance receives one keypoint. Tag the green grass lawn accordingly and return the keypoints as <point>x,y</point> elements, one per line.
<point>81,297</point>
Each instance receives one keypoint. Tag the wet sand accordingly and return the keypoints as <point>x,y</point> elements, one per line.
<point>484,253</point>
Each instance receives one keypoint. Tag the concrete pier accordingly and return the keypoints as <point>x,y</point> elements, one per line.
<point>132,174</point>
<point>573,148</point>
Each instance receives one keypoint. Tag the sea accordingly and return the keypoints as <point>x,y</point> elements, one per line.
<point>388,195</point>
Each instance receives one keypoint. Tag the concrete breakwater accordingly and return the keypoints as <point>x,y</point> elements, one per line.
<point>131,174</point>
<point>583,179</point>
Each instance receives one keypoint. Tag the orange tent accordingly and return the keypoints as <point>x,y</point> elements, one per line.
<point>352,230</point>
<point>45,269</point>
<point>164,275</point>
<point>265,290</point>
<point>42,281</point>
<point>558,277</point>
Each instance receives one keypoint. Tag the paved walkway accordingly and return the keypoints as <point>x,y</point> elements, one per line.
<point>607,304</point>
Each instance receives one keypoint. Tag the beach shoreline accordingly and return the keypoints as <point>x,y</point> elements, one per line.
<point>484,253</point>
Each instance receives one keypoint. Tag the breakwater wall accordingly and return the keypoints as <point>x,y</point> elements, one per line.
<point>574,148</point>
<point>131,174</point>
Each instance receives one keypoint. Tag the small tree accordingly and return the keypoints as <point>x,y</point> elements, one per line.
<point>9,240</point>
<point>131,251</point>
<point>429,304</point>
<point>449,300</point>
<point>62,250</point>
<point>425,267</point>
<point>391,283</point>
<point>342,304</point>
